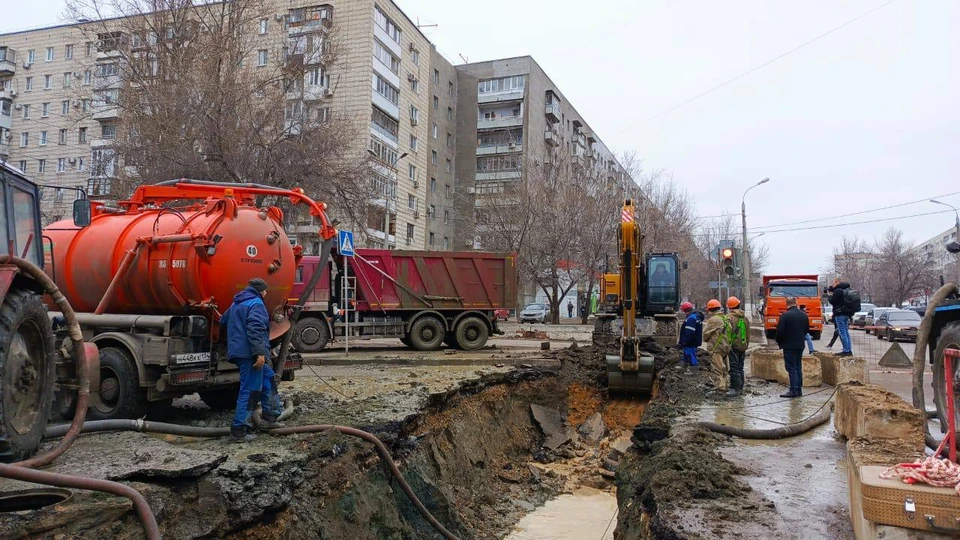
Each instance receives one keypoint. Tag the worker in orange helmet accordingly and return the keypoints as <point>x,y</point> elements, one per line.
<point>716,336</point>
<point>739,341</point>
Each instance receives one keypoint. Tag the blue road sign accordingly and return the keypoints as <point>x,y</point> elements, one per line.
<point>346,243</point>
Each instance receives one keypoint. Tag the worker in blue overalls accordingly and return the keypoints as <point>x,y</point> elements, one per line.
<point>691,334</point>
<point>248,346</point>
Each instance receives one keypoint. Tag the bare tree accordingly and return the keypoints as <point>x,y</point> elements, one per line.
<point>903,272</point>
<point>199,92</point>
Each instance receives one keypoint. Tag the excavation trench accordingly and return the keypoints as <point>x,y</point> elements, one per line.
<point>481,454</point>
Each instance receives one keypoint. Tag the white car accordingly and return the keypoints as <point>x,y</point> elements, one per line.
<point>859,318</point>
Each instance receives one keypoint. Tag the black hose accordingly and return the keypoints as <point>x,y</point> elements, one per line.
<point>190,431</point>
<point>772,433</point>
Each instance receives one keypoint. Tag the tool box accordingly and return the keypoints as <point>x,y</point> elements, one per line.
<point>914,506</point>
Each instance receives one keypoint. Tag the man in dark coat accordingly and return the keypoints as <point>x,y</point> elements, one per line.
<point>841,317</point>
<point>791,337</point>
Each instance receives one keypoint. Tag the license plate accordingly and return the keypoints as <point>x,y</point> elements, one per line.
<point>191,358</point>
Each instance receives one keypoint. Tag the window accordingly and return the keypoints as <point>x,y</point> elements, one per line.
<point>503,84</point>
<point>86,77</point>
<point>449,88</point>
<point>26,112</point>
<point>416,57</point>
<point>386,24</point>
<point>449,166</point>
<point>436,76</point>
<point>386,90</point>
<point>58,195</point>
<point>65,106</point>
<point>23,221</point>
<point>433,185</point>
<point>67,79</point>
<point>409,232</point>
<point>47,82</point>
<point>433,157</point>
<point>446,243</point>
<point>414,115</point>
<point>383,152</point>
<point>261,57</point>
<point>41,165</point>
<point>85,105</point>
<point>82,135</point>
<point>103,162</point>
<point>431,238</point>
<point>80,164</point>
<point>432,211</point>
<point>411,202</point>
<point>28,82</point>
<point>49,54</point>
<point>61,164</point>
<point>315,76</point>
<point>412,169</point>
<point>43,138</point>
<point>436,103</point>
<point>447,191</point>
<point>89,48</point>
<point>107,69</point>
<point>62,138</point>
<point>384,125</point>
<point>450,113</point>
<point>436,131</point>
<point>108,131</point>
<point>386,57</point>
<point>23,165</point>
<point>24,139</point>
<point>106,97</point>
<point>414,83</point>
<point>413,143</point>
<point>31,56</point>
<point>68,52</point>
<point>44,110</point>
<point>446,218</point>
<point>500,137</point>
<point>449,140</point>
<point>263,26</point>
<point>509,162</point>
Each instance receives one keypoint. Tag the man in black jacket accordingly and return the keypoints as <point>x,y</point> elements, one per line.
<point>791,332</point>
<point>841,318</point>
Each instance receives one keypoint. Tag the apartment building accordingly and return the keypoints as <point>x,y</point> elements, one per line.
<point>934,249</point>
<point>58,114</point>
<point>511,118</point>
<point>441,217</point>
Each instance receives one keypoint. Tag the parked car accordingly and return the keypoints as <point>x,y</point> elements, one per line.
<point>534,313</point>
<point>920,310</point>
<point>897,324</point>
<point>859,318</point>
<point>502,314</point>
<point>828,314</point>
<point>873,315</point>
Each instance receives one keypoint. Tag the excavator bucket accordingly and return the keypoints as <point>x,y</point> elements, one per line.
<point>633,377</point>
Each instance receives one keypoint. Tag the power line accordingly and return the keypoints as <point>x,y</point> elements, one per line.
<point>757,68</point>
<point>925,199</point>
<point>861,222</point>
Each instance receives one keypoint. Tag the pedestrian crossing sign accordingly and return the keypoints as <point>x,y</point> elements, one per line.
<point>346,243</point>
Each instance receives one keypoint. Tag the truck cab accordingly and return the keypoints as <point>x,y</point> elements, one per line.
<point>805,288</point>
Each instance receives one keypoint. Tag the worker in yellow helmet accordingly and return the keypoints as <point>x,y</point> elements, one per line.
<point>716,337</point>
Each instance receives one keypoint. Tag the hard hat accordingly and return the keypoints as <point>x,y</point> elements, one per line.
<point>733,302</point>
<point>713,304</point>
<point>686,306</point>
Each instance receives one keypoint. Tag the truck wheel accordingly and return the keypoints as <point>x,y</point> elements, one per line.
<point>427,334</point>
<point>949,339</point>
<point>472,333</point>
<point>310,335</point>
<point>222,399</point>
<point>26,372</point>
<point>120,392</point>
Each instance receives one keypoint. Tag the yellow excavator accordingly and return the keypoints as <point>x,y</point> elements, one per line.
<point>642,300</point>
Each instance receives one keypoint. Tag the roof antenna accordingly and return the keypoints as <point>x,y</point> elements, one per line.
<point>425,25</point>
<point>464,58</point>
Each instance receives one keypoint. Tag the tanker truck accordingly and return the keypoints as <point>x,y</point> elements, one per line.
<point>150,280</point>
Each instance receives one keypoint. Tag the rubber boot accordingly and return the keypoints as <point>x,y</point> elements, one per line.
<point>240,435</point>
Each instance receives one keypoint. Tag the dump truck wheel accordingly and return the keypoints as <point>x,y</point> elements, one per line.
<point>310,335</point>
<point>427,334</point>
<point>26,372</point>
<point>120,392</point>
<point>472,333</point>
<point>949,338</point>
<point>221,399</point>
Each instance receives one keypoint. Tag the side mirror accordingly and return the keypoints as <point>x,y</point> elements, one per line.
<point>81,212</point>
<point>684,265</point>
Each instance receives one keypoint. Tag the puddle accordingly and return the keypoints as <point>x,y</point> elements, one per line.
<point>582,516</point>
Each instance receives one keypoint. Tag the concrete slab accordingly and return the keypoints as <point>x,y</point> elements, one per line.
<point>768,364</point>
<point>551,423</point>
<point>872,411</point>
<point>840,369</point>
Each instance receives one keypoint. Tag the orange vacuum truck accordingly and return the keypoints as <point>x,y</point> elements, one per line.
<point>804,288</point>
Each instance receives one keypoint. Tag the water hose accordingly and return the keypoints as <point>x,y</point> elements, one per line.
<point>147,426</point>
<point>773,433</point>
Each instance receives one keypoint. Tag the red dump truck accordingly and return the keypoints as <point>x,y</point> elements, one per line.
<point>804,288</point>
<point>425,298</point>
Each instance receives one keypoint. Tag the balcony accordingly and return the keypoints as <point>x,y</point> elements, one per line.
<point>8,62</point>
<point>551,138</point>
<point>500,122</point>
<point>506,148</point>
<point>553,112</point>
<point>497,97</point>
<point>4,148</point>
<point>106,112</point>
<point>493,176</point>
<point>591,138</point>
<point>384,134</point>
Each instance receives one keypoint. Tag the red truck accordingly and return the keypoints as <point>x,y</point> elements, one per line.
<point>424,298</point>
<point>803,287</point>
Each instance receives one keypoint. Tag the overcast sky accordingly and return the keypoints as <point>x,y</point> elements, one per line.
<point>863,118</point>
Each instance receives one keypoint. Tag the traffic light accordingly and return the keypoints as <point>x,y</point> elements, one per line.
<point>727,261</point>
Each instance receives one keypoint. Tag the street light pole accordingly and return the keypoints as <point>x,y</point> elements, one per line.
<point>747,281</point>
<point>956,232</point>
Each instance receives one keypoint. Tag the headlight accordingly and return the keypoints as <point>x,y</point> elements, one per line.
<point>897,329</point>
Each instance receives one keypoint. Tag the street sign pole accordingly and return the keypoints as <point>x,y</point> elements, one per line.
<point>346,250</point>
